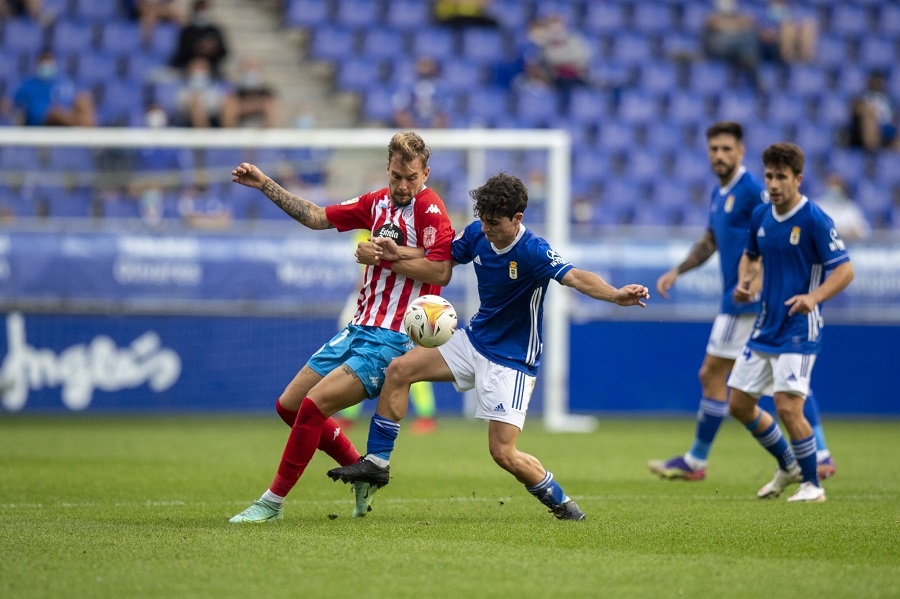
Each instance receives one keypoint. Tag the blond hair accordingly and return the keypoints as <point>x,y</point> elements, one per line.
<point>408,145</point>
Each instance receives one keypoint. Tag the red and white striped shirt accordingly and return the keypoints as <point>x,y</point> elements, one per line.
<point>423,223</point>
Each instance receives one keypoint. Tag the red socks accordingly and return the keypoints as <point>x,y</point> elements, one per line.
<point>335,443</point>
<point>300,448</point>
<point>333,440</point>
<point>289,416</point>
<point>311,430</point>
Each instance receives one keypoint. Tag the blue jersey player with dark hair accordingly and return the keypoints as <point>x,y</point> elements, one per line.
<point>732,203</point>
<point>499,352</point>
<point>805,264</point>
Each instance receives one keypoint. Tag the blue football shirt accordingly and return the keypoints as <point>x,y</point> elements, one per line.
<point>730,210</point>
<point>797,249</point>
<point>512,284</point>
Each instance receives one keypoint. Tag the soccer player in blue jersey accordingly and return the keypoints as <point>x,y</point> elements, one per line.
<point>731,204</point>
<point>498,353</point>
<point>806,264</point>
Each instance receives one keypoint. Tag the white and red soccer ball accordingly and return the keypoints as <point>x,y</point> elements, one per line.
<point>430,320</point>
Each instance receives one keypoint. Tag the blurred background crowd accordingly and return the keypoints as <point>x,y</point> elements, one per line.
<point>635,84</point>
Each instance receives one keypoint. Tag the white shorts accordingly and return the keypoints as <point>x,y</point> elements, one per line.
<point>758,374</point>
<point>501,393</point>
<point>729,334</point>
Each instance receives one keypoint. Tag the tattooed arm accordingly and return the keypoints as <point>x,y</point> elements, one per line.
<point>301,210</point>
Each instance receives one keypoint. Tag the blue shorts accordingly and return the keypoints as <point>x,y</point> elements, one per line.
<point>366,350</point>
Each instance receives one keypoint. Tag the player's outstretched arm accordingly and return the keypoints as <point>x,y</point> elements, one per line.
<point>594,286</point>
<point>300,209</point>
<point>700,253</point>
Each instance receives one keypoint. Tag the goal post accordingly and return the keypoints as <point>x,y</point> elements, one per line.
<point>474,142</point>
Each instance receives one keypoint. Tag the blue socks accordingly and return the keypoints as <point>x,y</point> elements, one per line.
<point>382,434</point>
<point>548,491</point>
<point>709,418</point>
<point>774,442</point>
<point>805,452</point>
<point>811,412</point>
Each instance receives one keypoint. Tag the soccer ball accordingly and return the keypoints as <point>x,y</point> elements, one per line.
<point>429,320</point>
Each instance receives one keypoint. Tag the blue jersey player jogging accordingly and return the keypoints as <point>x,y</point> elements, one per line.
<point>512,284</point>
<point>797,248</point>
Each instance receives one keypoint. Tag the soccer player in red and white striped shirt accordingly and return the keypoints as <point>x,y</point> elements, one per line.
<point>351,366</point>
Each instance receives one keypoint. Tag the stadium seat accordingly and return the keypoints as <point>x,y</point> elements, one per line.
<point>740,107</point>
<point>61,158</point>
<point>814,138</point>
<point>686,107</point>
<point>639,106</point>
<point>333,43</point>
<point>359,13</point>
<point>139,67</point>
<point>66,202</point>
<point>485,105</point>
<point>644,164</point>
<point>97,10</point>
<point>848,162</point>
<point>96,68</point>
<point>784,108</point>
<point>569,11</point>
<point>536,106</point>
<point>462,75</point>
<point>22,36</point>
<point>121,206</point>
<point>513,15</point>
<point>831,51</point>
<point>21,158</point>
<point>589,105</point>
<point>483,45</point>
<point>307,13</point>
<point>434,42</point>
<point>164,40</point>
<point>615,135</point>
<point>658,76</point>
<point>632,48</point>
<point>652,17</point>
<point>878,53</point>
<point>849,19</point>
<point>708,77</point>
<point>806,80</point>
<point>889,19</point>
<point>123,96</point>
<point>378,104</point>
<point>73,37</point>
<point>382,42</point>
<point>408,14</point>
<point>359,73</point>
<point>604,17</point>
<point>121,37</point>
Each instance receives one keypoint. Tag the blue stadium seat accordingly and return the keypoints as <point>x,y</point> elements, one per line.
<point>644,164</point>
<point>434,42</point>
<point>694,17</point>
<point>833,110</point>
<point>848,162</point>
<point>784,108</point>
<point>164,40</point>
<point>121,206</point>
<point>221,158</point>
<point>874,199</point>
<point>806,80</point>
<point>878,53</point>
<point>359,13</point>
<point>23,36</point>
<point>686,107</point>
<point>139,66</point>
<point>675,43</point>
<point>448,164</point>
<point>378,104</point>
<point>588,105</point>
<point>408,14</point>
<point>536,106</point>
<point>831,51</point>
<point>332,43</point>
<point>615,135</point>
<point>852,78</point>
<point>658,76</point>
<point>97,10</point>
<point>632,48</point>
<point>483,45</point>
<point>849,19</point>
<point>708,77</point>
<point>10,74</point>
<point>513,15</point>
<point>360,73</point>
<point>462,75</point>
<point>652,17</point>
<point>889,20</point>
<point>24,158</point>
<point>66,203</point>
<point>735,106</point>
<point>70,159</point>
<point>760,134</point>
<point>639,106</point>
<point>121,37</point>
<point>692,166</point>
<point>307,13</point>
<point>569,11</point>
<point>382,42</point>
<point>486,105</point>
<point>96,68</point>
<point>666,135</point>
<point>73,37</point>
<point>604,17</point>
<point>123,96</point>
<point>814,139</point>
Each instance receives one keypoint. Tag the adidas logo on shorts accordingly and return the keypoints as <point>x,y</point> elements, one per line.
<point>500,409</point>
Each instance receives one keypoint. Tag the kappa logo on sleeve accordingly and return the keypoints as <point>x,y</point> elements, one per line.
<point>351,201</point>
<point>433,209</point>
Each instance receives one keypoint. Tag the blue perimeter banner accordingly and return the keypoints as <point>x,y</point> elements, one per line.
<point>312,273</point>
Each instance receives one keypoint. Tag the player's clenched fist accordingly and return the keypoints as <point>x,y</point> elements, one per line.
<point>247,174</point>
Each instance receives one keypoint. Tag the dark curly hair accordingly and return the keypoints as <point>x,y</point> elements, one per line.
<point>784,155</point>
<point>501,195</point>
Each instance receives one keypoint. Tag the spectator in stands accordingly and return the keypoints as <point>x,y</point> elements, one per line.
<point>873,117</point>
<point>464,13</point>
<point>849,220</point>
<point>205,101</point>
<point>562,53</point>
<point>201,37</point>
<point>201,207</point>
<point>731,36</point>
<point>32,9</point>
<point>257,103</point>
<point>420,103</point>
<point>150,12</point>
<point>50,99</point>
<point>787,35</point>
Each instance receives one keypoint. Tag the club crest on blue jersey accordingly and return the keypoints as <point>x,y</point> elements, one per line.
<point>795,236</point>
<point>729,203</point>
<point>513,270</point>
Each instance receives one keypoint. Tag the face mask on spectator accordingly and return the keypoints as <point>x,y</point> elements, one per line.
<point>156,119</point>
<point>199,80</point>
<point>46,70</point>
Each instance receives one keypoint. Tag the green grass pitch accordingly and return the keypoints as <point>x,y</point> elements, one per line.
<point>138,507</point>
